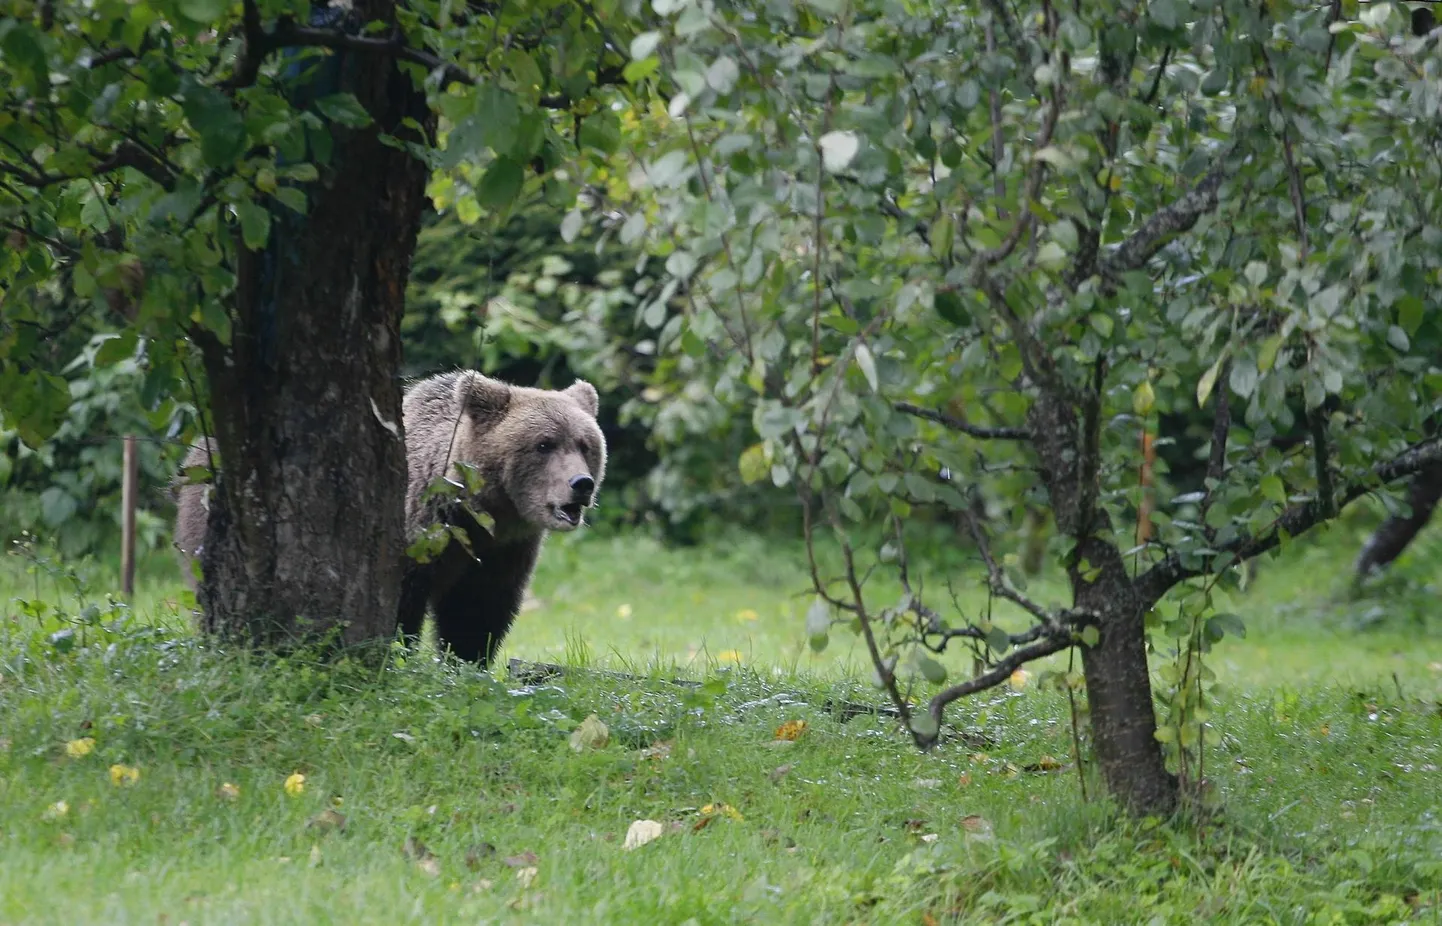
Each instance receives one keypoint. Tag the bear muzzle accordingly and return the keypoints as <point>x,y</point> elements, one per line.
<point>582,488</point>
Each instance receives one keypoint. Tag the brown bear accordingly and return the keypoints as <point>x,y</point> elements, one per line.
<point>541,457</point>
<point>192,509</point>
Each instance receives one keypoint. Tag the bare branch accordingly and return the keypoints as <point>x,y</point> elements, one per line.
<point>1057,639</point>
<point>981,432</point>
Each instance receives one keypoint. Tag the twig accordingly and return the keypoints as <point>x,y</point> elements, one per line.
<point>1062,639</point>
<point>980,432</point>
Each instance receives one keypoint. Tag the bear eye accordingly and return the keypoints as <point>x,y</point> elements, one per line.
<point>584,448</point>
<point>545,446</point>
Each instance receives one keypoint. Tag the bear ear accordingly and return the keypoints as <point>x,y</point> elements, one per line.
<point>483,398</point>
<point>585,396</point>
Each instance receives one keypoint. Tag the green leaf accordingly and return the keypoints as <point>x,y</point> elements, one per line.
<point>1051,257</point>
<point>723,74</point>
<point>202,12</point>
<point>951,309</point>
<point>57,506</point>
<point>601,131</point>
<point>998,639</point>
<point>1267,353</point>
<point>1090,635</point>
<point>220,126</point>
<point>1398,338</point>
<point>818,618</point>
<point>636,71</point>
<point>1244,376</point>
<point>924,724</point>
<point>931,670</point>
<point>1226,623</point>
<point>1166,13</point>
<point>571,226</point>
<point>501,185</point>
<point>752,464</point>
<point>867,363</point>
<point>118,348</point>
<point>345,109</point>
<point>254,224</point>
<point>21,44</point>
<point>1064,233</point>
<point>523,67</point>
<point>1409,314</point>
<point>1273,489</point>
<point>1208,380</point>
<point>644,44</point>
<point>1143,399</point>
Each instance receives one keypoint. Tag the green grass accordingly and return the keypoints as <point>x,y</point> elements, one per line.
<point>1327,783</point>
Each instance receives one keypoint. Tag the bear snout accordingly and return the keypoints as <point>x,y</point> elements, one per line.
<point>582,486</point>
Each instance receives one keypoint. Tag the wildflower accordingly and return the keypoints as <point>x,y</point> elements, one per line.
<point>228,791</point>
<point>56,810</point>
<point>747,614</point>
<point>79,749</point>
<point>295,784</point>
<point>730,655</point>
<point>124,775</point>
<point>623,612</point>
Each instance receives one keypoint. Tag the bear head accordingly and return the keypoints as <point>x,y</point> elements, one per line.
<point>540,451</point>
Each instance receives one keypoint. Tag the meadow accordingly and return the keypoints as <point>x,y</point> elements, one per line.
<point>145,778</point>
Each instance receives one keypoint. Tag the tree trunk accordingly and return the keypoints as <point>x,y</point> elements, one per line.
<point>1118,683</point>
<point>1119,688</point>
<point>1394,535</point>
<point>306,528</point>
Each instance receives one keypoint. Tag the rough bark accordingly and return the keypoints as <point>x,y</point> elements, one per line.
<point>1394,534</point>
<point>1118,683</point>
<point>1119,688</point>
<point>306,528</point>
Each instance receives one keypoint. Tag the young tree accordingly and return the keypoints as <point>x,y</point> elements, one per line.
<point>231,180</point>
<point>951,252</point>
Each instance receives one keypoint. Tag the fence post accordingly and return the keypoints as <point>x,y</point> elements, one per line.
<point>130,475</point>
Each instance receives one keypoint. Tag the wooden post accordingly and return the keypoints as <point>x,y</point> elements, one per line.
<point>130,475</point>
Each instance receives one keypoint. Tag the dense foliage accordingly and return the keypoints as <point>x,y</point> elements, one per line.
<point>947,253</point>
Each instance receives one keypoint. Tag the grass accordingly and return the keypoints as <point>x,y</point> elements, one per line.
<point>464,801</point>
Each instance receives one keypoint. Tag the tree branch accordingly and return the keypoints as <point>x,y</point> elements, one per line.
<point>1057,639</point>
<point>1221,428</point>
<point>980,432</point>
<point>1156,231</point>
<point>1295,520</point>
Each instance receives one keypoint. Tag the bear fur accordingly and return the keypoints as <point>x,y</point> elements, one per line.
<point>541,456</point>
<point>192,509</point>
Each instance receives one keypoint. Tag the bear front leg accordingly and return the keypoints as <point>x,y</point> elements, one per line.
<point>415,592</point>
<point>475,613</point>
